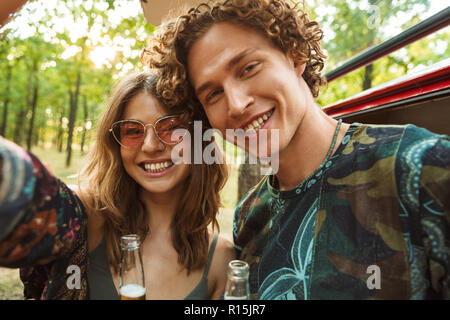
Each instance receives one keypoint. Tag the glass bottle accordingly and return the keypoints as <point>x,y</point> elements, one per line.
<point>131,281</point>
<point>237,287</point>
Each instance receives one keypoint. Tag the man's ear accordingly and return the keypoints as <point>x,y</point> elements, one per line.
<point>299,68</point>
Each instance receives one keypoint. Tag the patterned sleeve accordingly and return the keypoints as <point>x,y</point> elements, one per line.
<point>41,219</point>
<point>434,201</point>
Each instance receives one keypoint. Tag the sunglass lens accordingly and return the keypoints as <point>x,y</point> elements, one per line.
<point>130,133</point>
<point>166,130</point>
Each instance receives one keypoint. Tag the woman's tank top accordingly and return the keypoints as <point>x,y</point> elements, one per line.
<point>101,284</point>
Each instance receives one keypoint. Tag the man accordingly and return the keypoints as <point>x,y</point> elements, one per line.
<point>354,211</point>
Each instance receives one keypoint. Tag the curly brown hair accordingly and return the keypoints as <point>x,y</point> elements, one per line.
<point>288,26</point>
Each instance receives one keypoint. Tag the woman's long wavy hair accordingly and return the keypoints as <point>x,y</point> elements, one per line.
<point>109,192</point>
<point>287,26</point>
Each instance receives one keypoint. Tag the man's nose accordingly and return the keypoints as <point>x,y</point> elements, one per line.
<point>238,99</point>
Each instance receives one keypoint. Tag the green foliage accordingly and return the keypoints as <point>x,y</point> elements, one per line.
<point>52,52</point>
<point>351,27</point>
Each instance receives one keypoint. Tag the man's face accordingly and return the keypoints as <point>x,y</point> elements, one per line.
<point>241,78</point>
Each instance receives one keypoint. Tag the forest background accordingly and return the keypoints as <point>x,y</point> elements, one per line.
<point>60,59</point>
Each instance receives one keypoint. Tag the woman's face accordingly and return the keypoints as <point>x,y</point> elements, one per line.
<point>149,163</point>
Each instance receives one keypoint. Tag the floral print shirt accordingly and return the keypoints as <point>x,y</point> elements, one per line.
<point>43,227</point>
<point>371,223</point>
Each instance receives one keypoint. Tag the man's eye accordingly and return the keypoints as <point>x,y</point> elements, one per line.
<point>249,69</point>
<point>213,94</point>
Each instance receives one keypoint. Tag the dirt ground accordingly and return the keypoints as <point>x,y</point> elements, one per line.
<point>11,288</point>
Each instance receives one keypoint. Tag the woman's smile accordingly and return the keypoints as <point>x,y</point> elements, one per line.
<point>156,169</point>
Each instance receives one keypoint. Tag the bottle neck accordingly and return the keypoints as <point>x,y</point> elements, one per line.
<point>238,268</point>
<point>130,242</point>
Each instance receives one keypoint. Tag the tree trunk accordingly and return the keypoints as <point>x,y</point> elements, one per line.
<point>72,117</point>
<point>59,137</point>
<point>83,137</point>
<point>367,84</point>
<point>19,127</point>
<point>37,136</point>
<point>33,115</point>
<point>6,102</point>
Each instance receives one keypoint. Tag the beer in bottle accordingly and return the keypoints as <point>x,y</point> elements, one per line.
<point>131,281</point>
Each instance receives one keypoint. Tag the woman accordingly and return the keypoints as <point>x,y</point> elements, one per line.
<point>130,185</point>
